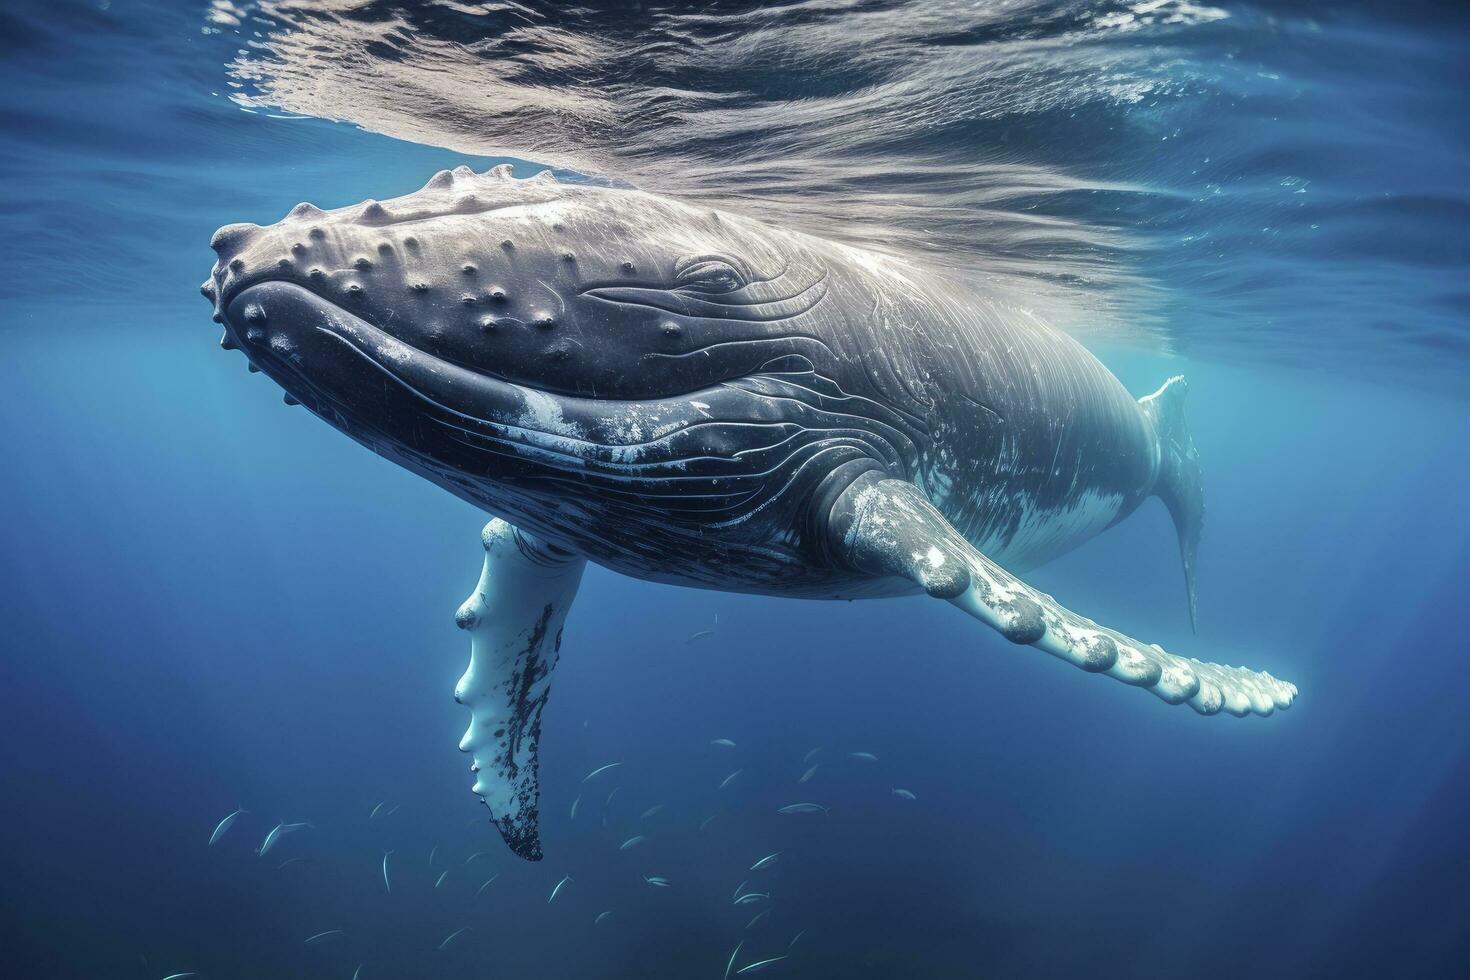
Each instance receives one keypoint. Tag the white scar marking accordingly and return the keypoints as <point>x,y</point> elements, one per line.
<point>543,413</point>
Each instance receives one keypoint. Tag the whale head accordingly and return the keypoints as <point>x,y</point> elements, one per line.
<point>543,348</point>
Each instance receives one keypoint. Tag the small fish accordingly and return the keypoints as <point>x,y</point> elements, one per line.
<point>723,742</point>
<point>863,756</point>
<point>280,830</point>
<point>488,882</point>
<point>296,860</point>
<point>749,897</point>
<point>376,810</point>
<point>707,820</point>
<point>765,862</point>
<point>806,776</point>
<point>179,976</point>
<point>905,794</point>
<point>657,881</point>
<point>477,855</point>
<point>732,958</point>
<point>575,803</point>
<point>386,883</point>
<point>357,972</point>
<point>731,778</point>
<point>651,811</point>
<point>453,936</point>
<point>557,889</point>
<point>738,889</point>
<point>759,965</point>
<point>270,840</point>
<point>810,755</point>
<point>632,842</point>
<point>695,637</point>
<point>322,937</point>
<point>600,917</point>
<point>224,825</point>
<point>607,803</point>
<point>433,851</point>
<point>758,916</point>
<point>794,939</point>
<point>442,876</point>
<point>601,769</point>
<point>804,808</point>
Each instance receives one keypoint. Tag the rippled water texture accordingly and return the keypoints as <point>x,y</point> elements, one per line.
<point>1228,180</point>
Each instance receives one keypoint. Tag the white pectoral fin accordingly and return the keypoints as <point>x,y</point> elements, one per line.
<point>888,527</point>
<point>514,619</point>
<point>1206,687</point>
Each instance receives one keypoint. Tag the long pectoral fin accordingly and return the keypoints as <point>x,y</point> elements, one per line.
<point>514,619</point>
<point>888,527</point>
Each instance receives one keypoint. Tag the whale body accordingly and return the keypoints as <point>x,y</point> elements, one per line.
<point>704,399</point>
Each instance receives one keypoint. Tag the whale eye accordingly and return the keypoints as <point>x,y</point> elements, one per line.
<point>709,276</point>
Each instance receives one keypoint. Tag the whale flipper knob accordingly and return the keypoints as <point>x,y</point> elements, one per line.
<point>888,527</point>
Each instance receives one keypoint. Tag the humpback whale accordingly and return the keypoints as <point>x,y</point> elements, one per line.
<point>701,398</point>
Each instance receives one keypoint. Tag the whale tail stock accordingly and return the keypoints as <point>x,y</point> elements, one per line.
<point>1179,485</point>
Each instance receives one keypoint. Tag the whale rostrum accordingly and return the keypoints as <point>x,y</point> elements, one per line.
<point>704,399</point>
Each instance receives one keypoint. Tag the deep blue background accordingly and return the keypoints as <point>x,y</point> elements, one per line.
<point>210,600</point>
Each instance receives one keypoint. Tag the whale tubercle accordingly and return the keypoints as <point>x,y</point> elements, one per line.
<point>231,237</point>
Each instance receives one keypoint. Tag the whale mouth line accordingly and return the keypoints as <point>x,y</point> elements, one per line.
<point>342,321</point>
<point>370,341</point>
<point>278,351</point>
<point>617,469</point>
<point>384,348</point>
<point>637,452</point>
<point>490,399</point>
<point>332,310</point>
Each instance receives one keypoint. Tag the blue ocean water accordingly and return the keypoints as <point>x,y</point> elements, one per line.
<point>214,601</point>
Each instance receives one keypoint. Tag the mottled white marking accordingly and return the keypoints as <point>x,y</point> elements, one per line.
<point>518,600</point>
<point>543,413</point>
